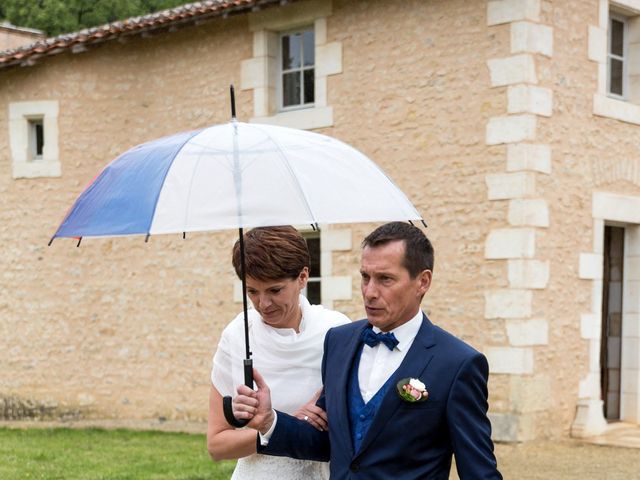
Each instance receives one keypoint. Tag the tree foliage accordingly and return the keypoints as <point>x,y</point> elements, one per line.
<point>63,16</point>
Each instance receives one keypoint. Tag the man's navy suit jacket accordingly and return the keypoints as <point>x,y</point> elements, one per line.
<point>406,440</point>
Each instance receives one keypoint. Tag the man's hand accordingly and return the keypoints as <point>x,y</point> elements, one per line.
<point>254,405</point>
<point>310,412</point>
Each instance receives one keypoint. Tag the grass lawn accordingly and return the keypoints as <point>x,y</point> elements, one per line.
<point>93,453</point>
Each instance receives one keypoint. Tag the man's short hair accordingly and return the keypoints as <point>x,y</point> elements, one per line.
<point>418,254</point>
<point>272,253</point>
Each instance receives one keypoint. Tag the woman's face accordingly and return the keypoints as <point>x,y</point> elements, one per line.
<point>277,300</point>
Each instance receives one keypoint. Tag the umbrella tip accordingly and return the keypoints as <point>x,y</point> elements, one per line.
<point>423,223</point>
<point>146,239</point>
<point>79,240</point>
<point>233,101</point>
<point>184,235</point>
<point>51,241</point>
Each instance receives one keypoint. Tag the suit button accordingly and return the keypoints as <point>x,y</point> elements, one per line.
<point>354,467</point>
<point>359,436</point>
<point>362,417</point>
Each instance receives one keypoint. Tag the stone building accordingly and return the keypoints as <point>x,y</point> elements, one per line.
<point>511,124</point>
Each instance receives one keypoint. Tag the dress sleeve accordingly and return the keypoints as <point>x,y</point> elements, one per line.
<point>221,377</point>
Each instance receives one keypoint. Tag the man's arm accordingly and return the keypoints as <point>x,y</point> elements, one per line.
<point>469,426</point>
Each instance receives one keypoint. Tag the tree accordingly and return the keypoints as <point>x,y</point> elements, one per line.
<point>63,16</point>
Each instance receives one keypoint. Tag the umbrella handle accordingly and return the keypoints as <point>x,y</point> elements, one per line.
<point>227,406</point>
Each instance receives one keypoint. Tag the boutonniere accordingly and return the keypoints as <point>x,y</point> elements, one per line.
<point>412,390</point>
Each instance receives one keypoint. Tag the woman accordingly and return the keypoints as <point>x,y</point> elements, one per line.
<point>286,335</point>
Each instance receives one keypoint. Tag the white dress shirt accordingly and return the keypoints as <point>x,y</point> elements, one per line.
<point>378,363</point>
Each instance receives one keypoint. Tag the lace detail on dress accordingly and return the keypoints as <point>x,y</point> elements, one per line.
<point>265,467</point>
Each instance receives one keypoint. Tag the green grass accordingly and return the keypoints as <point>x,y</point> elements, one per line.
<point>94,454</point>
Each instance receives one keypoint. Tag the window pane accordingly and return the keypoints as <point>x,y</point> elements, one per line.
<point>291,51</point>
<point>314,253</point>
<point>309,86</point>
<point>39,138</point>
<point>313,292</point>
<point>617,37</point>
<point>309,48</point>
<point>615,76</point>
<point>291,89</point>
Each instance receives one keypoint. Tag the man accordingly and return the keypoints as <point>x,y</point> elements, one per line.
<point>375,432</point>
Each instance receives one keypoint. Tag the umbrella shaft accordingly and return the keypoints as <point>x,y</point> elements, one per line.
<point>243,279</point>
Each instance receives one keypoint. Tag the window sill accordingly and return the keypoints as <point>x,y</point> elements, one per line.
<point>624,111</point>
<point>304,119</point>
<point>36,169</point>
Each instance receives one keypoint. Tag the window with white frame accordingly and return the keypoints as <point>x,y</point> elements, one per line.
<point>617,53</point>
<point>33,138</point>
<point>297,69</point>
<point>313,290</point>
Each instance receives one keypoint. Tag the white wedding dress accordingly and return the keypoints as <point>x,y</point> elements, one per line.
<point>290,363</point>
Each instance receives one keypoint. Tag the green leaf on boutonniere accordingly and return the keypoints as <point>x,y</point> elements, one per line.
<point>409,393</point>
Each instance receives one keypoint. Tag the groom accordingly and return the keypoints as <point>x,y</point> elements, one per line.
<point>375,432</point>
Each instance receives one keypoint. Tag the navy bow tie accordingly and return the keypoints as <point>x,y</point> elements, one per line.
<point>372,339</point>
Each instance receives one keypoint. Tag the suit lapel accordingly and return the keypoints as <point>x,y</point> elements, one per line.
<point>346,357</point>
<point>412,366</point>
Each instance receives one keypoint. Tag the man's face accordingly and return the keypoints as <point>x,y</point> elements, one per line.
<point>391,297</point>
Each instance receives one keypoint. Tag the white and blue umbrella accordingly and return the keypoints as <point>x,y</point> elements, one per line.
<point>235,175</point>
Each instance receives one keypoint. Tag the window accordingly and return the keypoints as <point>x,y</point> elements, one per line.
<point>617,56</point>
<point>36,139</point>
<point>33,137</point>
<point>313,285</point>
<point>297,55</point>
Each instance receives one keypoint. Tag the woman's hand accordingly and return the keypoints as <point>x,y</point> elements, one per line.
<point>313,414</point>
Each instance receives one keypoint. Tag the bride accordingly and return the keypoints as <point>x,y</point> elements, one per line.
<point>286,335</point>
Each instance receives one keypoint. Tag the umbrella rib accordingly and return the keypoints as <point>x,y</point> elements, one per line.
<point>291,173</point>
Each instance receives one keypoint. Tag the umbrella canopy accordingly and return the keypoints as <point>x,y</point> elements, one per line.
<point>235,175</point>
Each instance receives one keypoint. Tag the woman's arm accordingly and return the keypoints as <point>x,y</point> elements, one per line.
<point>223,441</point>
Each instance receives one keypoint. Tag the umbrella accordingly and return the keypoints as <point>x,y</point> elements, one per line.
<point>234,175</point>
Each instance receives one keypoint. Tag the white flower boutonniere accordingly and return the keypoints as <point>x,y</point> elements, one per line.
<point>412,390</point>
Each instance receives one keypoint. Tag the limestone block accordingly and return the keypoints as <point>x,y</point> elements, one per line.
<point>510,129</point>
<point>339,239</point>
<point>524,333</point>
<point>597,50</point>
<point>528,273</point>
<point>591,265</point>
<point>530,394</point>
<point>507,303</point>
<point>630,381</point>
<point>618,109</point>
<point>532,212</point>
<point>631,324</point>
<point>630,407</point>
<point>503,186</point>
<point>304,119</point>
<point>527,156</point>
<point>336,288</point>
<point>631,353</point>
<point>329,59</point>
<point>531,38</point>
<point>253,73</point>
<point>632,238</point>
<point>598,235</point>
<point>589,387</point>
<point>505,11</point>
<point>590,326</point>
<point>504,427</point>
<point>503,243</point>
<point>589,419</point>
<point>530,99</point>
<point>510,360</point>
<point>512,70</point>
<point>631,300</point>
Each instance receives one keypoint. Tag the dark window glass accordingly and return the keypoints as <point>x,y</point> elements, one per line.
<point>617,38</point>
<point>308,43</point>
<point>615,76</point>
<point>291,89</point>
<point>314,252</point>
<point>291,51</point>
<point>39,138</point>
<point>313,292</point>
<point>309,89</point>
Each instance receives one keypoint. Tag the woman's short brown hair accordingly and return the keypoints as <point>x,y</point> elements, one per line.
<point>272,253</point>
